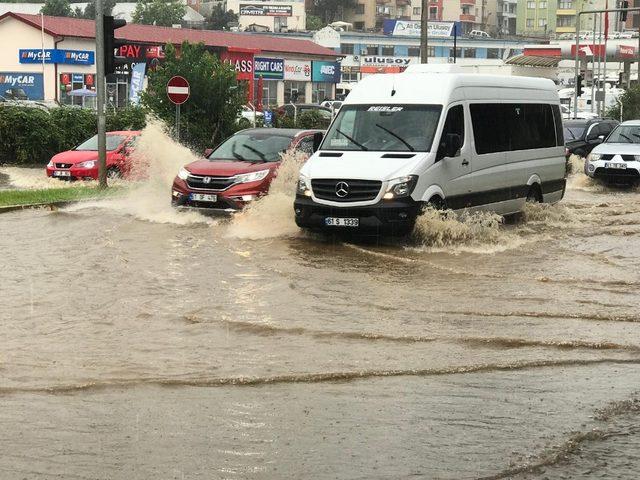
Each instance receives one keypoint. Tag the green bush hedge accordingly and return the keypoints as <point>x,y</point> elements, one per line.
<point>30,136</point>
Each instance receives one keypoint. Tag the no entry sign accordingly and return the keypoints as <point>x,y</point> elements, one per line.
<point>178,90</point>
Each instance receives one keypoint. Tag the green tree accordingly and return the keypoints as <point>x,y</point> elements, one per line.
<point>159,12</point>
<point>220,19</point>
<point>314,22</point>
<point>211,113</point>
<point>90,9</point>
<point>630,101</point>
<point>57,8</point>
<point>328,10</point>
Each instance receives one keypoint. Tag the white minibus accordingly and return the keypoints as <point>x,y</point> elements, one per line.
<point>433,136</point>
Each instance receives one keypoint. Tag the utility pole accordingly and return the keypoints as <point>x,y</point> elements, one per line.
<point>424,32</point>
<point>101,85</point>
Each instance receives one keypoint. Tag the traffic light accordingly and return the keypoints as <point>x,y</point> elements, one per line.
<point>623,15</point>
<point>111,59</point>
<point>579,87</point>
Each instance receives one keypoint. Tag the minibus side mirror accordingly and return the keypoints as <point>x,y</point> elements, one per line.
<point>451,145</point>
<point>317,140</point>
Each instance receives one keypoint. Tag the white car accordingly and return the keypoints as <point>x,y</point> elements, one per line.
<point>248,113</point>
<point>617,159</point>
<point>479,34</point>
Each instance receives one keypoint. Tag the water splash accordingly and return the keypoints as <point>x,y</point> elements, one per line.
<point>272,215</point>
<point>33,178</point>
<point>577,179</point>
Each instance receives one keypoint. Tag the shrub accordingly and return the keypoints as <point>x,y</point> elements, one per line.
<point>312,119</point>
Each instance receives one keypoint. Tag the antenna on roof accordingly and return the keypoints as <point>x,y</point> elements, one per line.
<point>393,86</point>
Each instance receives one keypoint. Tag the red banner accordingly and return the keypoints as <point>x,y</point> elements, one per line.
<point>242,62</point>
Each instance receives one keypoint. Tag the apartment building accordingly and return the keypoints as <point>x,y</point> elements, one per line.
<point>546,17</point>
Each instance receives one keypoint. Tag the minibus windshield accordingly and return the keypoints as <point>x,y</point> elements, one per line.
<point>383,128</point>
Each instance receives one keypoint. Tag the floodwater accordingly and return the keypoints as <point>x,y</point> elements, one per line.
<point>139,342</point>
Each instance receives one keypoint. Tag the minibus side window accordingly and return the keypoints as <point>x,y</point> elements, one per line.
<point>453,124</point>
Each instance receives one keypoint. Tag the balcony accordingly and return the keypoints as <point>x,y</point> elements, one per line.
<point>467,18</point>
<point>566,11</point>
<point>467,2</point>
<point>403,3</point>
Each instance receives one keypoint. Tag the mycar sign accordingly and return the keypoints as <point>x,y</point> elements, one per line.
<point>405,28</point>
<point>22,84</point>
<point>68,57</point>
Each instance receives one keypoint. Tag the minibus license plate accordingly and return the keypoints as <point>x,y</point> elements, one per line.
<point>204,197</point>
<point>619,166</point>
<point>61,173</point>
<point>341,222</point>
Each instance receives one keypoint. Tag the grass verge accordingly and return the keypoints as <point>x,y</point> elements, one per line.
<point>51,195</point>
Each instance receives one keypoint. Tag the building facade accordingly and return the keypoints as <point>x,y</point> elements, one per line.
<point>272,15</point>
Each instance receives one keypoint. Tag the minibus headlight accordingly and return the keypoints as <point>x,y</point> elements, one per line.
<point>401,187</point>
<point>593,157</point>
<point>183,173</point>
<point>303,186</point>
<point>637,157</point>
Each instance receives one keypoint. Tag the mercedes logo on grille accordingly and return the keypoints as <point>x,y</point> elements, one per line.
<point>342,189</point>
<point>206,180</point>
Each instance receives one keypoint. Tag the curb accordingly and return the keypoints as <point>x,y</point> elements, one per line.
<point>51,205</point>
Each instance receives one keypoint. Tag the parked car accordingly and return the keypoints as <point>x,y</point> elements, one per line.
<point>581,136</point>
<point>248,113</point>
<point>240,169</point>
<point>479,146</point>
<point>479,34</point>
<point>334,105</point>
<point>617,159</point>
<point>292,110</point>
<point>82,161</point>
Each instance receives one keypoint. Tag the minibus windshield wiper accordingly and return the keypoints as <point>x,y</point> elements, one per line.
<point>362,147</point>
<point>407,144</point>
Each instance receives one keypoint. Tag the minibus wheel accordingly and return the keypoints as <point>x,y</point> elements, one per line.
<point>535,194</point>
<point>437,203</point>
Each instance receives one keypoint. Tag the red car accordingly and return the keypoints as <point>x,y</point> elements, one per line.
<point>240,169</point>
<point>82,161</point>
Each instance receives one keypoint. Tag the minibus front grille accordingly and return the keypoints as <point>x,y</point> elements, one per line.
<point>339,190</point>
<point>210,183</point>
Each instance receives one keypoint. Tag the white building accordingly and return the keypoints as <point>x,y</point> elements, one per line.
<point>274,15</point>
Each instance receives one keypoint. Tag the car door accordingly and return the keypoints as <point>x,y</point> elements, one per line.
<point>454,170</point>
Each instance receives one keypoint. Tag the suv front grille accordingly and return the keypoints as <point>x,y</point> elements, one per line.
<point>626,158</point>
<point>338,190</point>
<point>210,183</point>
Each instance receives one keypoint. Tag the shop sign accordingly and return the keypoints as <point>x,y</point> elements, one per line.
<point>268,68</point>
<point>21,84</point>
<point>259,10</point>
<point>379,61</point>
<point>242,62</point>
<point>405,28</point>
<point>297,70</point>
<point>68,57</point>
<point>137,82</point>
<point>325,72</point>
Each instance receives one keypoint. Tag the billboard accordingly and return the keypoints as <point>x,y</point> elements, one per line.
<point>325,72</point>
<point>268,68</point>
<point>67,57</point>
<point>21,85</point>
<point>297,70</point>
<point>242,62</point>
<point>260,10</point>
<point>405,28</point>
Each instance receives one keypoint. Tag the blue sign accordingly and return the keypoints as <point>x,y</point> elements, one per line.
<point>68,57</point>
<point>268,118</point>
<point>18,85</point>
<point>268,68</point>
<point>137,82</point>
<point>325,72</point>
<point>77,78</point>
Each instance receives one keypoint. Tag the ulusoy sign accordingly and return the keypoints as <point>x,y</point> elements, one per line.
<point>260,10</point>
<point>406,28</point>
<point>378,61</point>
<point>325,72</point>
<point>297,70</point>
<point>68,57</point>
<point>268,68</point>
<point>22,84</point>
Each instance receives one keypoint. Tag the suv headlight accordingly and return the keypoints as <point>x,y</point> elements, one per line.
<point>87,164</point>
<point>252,177</point>
<point>593,157</point>
<point>303,187</point>
<point>183,173</point>
<point>401,187</point>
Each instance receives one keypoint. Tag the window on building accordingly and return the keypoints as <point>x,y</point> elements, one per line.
<point>493,53</point>
<point>359,9</point>
<point>542,5</point>
<point>512,126</point>
<point>565,21</point>
<point>458,53</point>
<point>530,22</point>
<point>542,22</point>
<point>413,51</point>
<point>466,10</point>
<point>269,92</point>
<point>349,76</point>
<point>386,50</point>
<point>346,48</point>
<point>531,5</point>
<point>294,91</point>
<point>370,50</point>
<point>321,91</point>
<point>469,53</point>
<point>433,13</point>
<point>358,25</point>
<point>565,5</point>
<point>417,11</point>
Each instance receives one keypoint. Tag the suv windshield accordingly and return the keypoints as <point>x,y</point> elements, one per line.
<point>113,141</point>
<point>252,147</point>
<point>383,128</point>
<point>625,134</point>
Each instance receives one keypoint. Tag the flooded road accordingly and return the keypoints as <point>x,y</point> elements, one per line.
<point>139,342</point>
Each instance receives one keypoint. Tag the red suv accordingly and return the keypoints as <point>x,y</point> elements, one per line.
<point>240,169</point>
<point>82,161</point>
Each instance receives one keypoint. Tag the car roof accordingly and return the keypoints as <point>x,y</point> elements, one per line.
<point>124,132</point>
<point>635,123</point>
<point>285,132</point>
